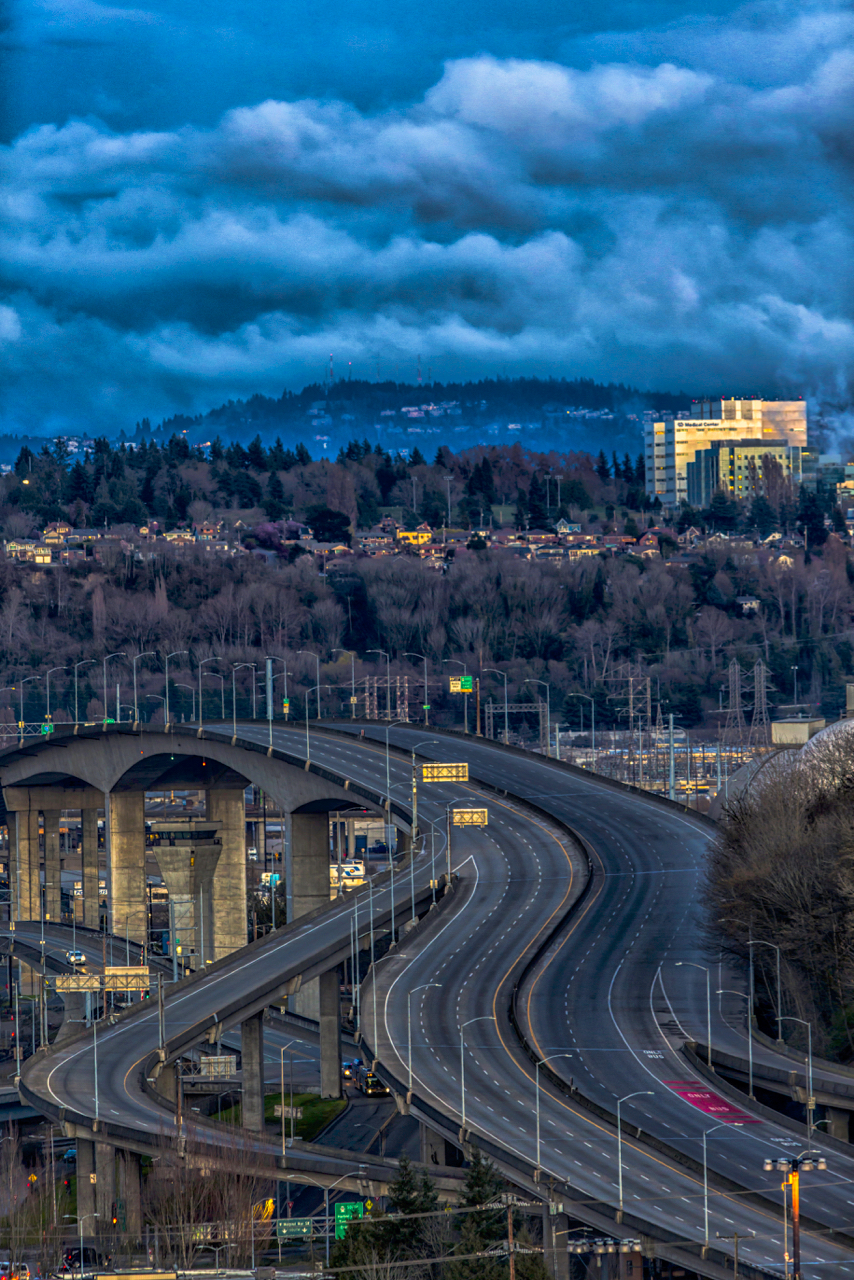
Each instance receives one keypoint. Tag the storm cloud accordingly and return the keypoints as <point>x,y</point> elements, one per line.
<point>676,222</point>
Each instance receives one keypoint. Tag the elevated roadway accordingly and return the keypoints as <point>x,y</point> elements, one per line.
<point>615,914</point>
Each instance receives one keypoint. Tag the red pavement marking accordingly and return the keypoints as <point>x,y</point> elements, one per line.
<point>710,1103</point>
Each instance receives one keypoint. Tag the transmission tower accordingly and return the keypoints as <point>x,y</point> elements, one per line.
<point>735,727</point>
<point>759,724</point>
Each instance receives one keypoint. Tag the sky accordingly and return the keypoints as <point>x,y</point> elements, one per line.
<point>203,200</point>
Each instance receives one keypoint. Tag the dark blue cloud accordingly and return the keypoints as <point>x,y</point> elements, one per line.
<point>200,202</point>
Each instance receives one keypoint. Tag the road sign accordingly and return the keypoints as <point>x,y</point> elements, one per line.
<point>126,977</point>
<point>445,772</point>
<point>345,1211</point>
<point>470,817</point>
<point>77,982</point>
<point>354,700</point>
<point>286,705</point>
<point>461,684</point>
<point>293,1227</point>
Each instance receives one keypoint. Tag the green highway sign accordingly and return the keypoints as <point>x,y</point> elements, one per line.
<point>466,684</point>
<point>293,1227</point>
<point>345,1211</point>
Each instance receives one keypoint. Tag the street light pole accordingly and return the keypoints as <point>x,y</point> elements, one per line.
<point>84,663</point>
<point>26,680</point>
<point>309,654</point>
<point>808,1026</point>
<point>352,657</point>
<point>192,689</point>
<point>706,1132</point>
<point>147,654</point>
<point>694,965</point>
<point>235,667</point>
<point>649,1093</point>
<point>459,663</point>
<point>592,719</point>
<point>106,660</point>
<point>49,674</point>
<point>387,680</point>
<point>202,662</point>
<point>495,672</point>
<point>537,1082</point>
<point>532,680</point>
<point>409,996</point>
<point>482,1018</point>
<point>176,654</point>
<point>408,654</point>
<point>729,992</point>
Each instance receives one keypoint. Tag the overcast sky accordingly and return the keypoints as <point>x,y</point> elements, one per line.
<point>204,198</point>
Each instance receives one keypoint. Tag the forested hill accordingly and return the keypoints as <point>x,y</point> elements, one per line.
<point>540,411</point>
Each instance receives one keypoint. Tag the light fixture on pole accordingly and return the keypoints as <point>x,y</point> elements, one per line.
<point>352,658</point>
<point>726,991</point>
<point>106,660</point>
<point>810,1098</point>
<point>21,683</point>
<point>706,1132</point>
<point>177,654</point>
<point>47,704</point>
<point>495,672</point>
<point>592,702</point>
<point>424,986</point>
<point>235,667</point>
<point>309,654</point>
<point>693,964</point>
<point>459,663</point>
<point>408,654</point>
<point>463,1025</point>
<point>85,663</point>
<point>534,680</point>
<point>81,1218</point>
<point>793,1167</point>
<point>537,1084</point>
<point>383,653</point>
<point>202,663</point>
<point>148,653</point>
<point>648,1093</point>
<point>192,689</point>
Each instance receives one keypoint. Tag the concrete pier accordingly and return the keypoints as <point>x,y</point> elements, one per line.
<point>252,1070</point>
<point>89,865</point>
<point>126,850</point>
<point>228,897</point>
<point>329,1000</point>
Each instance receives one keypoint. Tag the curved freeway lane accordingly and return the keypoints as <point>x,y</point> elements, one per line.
<point>594,996</point>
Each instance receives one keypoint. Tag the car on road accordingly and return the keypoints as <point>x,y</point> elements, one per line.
<point>349,1067</point>
<point>75,957</point>
<point>93,1261</point>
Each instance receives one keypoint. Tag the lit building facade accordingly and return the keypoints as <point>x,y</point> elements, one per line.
<point>671,443</point>
<point>740,467</point>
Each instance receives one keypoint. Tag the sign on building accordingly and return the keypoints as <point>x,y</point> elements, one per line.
<point>444,773</point>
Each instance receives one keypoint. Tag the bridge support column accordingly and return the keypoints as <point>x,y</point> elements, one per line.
<point>307,875</point>
<point>85,1185</point>
<point>252,1067</point>
<point>432,1146</point>
<point>24,865</point>
<point>52,864</point>
<point>89,867</point>
<point>839,1123</point>
<point>105,1188</point>
<point>330,1034</point>
<point>131,1192</point>
<point>351,838</point>
<point>228,895</point>
<point>126,853</point>
<point>73,1016</point>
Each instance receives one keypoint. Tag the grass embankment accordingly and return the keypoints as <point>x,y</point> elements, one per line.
<point>317,1112</point>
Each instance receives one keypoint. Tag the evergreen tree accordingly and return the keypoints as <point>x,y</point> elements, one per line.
<point>255,455</point>
<point>302,455</point>
<point>762,517</point>
<point>602,469</point>
<point>274,502</point>
<point>416,458</point>
<point>539,516</point>
<point>480,1231</point>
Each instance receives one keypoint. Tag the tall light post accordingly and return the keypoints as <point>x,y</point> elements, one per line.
<point>192,689</point>
<point>81,1218</point>
<point>408,654</point>
<point>495,672</point>
<point>792,1167</point>
<point>149,653</point>
<point>388,824</point>
<point>537,1084</point>
<point>641,1093</point>
<point>309,654</point>
<point>217,675</point>
<point>85,663</point>
<point>810,1100</point>
<point>159,697</point>
<point>106,660</point>
<point>706,1132</point>
<point>383,653</point>
<point>202,663</point>
<point>592,719</point>
<point>21,683</point>
<point>482,1018</point>
<point>49,674</point>
<point>727,991</point>
<point>282,1055</point>
<point>424,986</point>
<point>795,675</point>
<point>533,680</point>
<point>235,667</point>
<point>177,654</point>
<point>352,657</point>
<point>692,964</point>
<point>459,663</point>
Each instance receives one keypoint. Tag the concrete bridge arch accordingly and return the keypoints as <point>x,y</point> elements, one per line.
<point>110,768</point>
